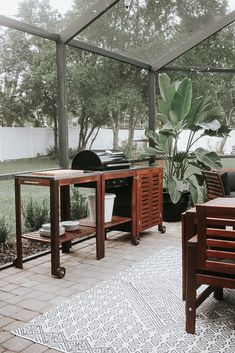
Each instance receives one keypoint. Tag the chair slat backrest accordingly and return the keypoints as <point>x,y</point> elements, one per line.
<point>214,185</point>
<point>216,238</point>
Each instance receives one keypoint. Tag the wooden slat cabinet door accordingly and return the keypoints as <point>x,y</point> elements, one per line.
<point>149,198</point>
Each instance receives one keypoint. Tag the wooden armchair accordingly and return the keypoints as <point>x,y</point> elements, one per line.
<point>210,257</point>
<point>215,184</point>
<point>219,183</point>
<point>230,182</point>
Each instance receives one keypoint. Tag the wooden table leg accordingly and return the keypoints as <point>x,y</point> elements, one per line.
<point>135,233</point>
<point>188,219</point>
<point>100,226</point>
<point>56,270</point>
<point>65,212</point>
<point>19,259</point>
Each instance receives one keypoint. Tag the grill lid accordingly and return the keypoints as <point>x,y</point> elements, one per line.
<point>100,160</point>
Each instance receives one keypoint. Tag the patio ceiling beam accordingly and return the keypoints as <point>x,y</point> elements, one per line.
<point>24,27</point>
<point>109,54</point>
<point>198,69</point>
<point>194,41</point>
<point>82,22</point>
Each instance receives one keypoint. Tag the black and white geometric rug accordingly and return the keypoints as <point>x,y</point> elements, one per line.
<point>138,311</point>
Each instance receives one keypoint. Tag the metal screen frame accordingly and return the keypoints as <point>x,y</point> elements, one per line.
<point>66,38</point>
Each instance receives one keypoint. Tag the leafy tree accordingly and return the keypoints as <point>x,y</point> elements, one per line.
<point>123,86</point>
<point>216,52</point>
<point>40,14</point>
<point>38,89</point>
<point>86,94</point>
<point>28,66</point>
<point>14,54</point>
<point>126,91</point>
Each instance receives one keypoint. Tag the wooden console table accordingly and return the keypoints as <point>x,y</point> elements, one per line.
<point>138,206</point>
<point>59,200</point>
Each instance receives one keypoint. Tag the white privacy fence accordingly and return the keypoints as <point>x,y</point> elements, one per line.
<point>28,142</point>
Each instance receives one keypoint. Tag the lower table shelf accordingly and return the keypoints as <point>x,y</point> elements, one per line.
<point>116,220</point>
<point>81,232</point>
<point>85,228</point>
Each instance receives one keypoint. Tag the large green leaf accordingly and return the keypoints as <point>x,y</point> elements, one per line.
<point>174,192</point>
<point>179,157</point>
<point>200,179</point>
<point>150,133</point>
<point>224,130</point>
<point>209,159</point>
<point>167,90</point>
<point>167,130</point>
<point>164,85</point>
<point>181,101</point>
<point>213,125</point>
<point>162,142</point>
<point>193,117</point>
<point>193,191</point>
<point>163,117</point>
<point>221,132</point>
<point>162,106</point>
<point>200,112</point>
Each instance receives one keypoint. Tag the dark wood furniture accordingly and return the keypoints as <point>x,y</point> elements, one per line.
<point>220,183</point>
<point>189,229</point>
<point>214,184</point>
<point>210,256</point>
<point>149,199</point>
<point>59,200</point>
<point>138,202</point>
<point>138,206</point>
<point>228,178</point>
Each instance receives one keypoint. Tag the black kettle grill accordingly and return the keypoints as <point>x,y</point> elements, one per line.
<point>100,160</point>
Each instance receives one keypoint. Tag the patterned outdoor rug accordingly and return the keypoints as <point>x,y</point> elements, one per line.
<point>139,310</point>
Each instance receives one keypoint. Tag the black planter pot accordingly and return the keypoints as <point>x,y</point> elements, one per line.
<point>172,211</point>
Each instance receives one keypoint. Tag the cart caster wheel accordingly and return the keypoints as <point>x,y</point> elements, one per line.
<point>135,241</point>
<point>162,228</point>
<point>60,272</point>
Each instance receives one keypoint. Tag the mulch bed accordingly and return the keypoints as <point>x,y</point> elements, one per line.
<point>8,250</point>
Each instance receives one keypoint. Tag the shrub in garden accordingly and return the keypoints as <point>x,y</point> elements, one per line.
<point>78,205</point>
<point>4,229</point>
<point>35,214</point>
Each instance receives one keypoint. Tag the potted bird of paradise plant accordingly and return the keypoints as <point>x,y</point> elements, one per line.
<point>177,112</point>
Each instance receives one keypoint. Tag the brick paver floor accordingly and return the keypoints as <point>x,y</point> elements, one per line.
<point>27,293</point>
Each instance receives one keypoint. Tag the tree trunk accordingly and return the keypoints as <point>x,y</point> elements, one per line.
<point>131,128</point>
<point>7,121</point>
<point>115,127</point>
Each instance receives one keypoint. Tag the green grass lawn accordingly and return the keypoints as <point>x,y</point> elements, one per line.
<point>7,190</point>
<point>27,164</point>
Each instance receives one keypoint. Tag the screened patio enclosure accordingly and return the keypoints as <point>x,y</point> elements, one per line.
<point>149,34</point>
